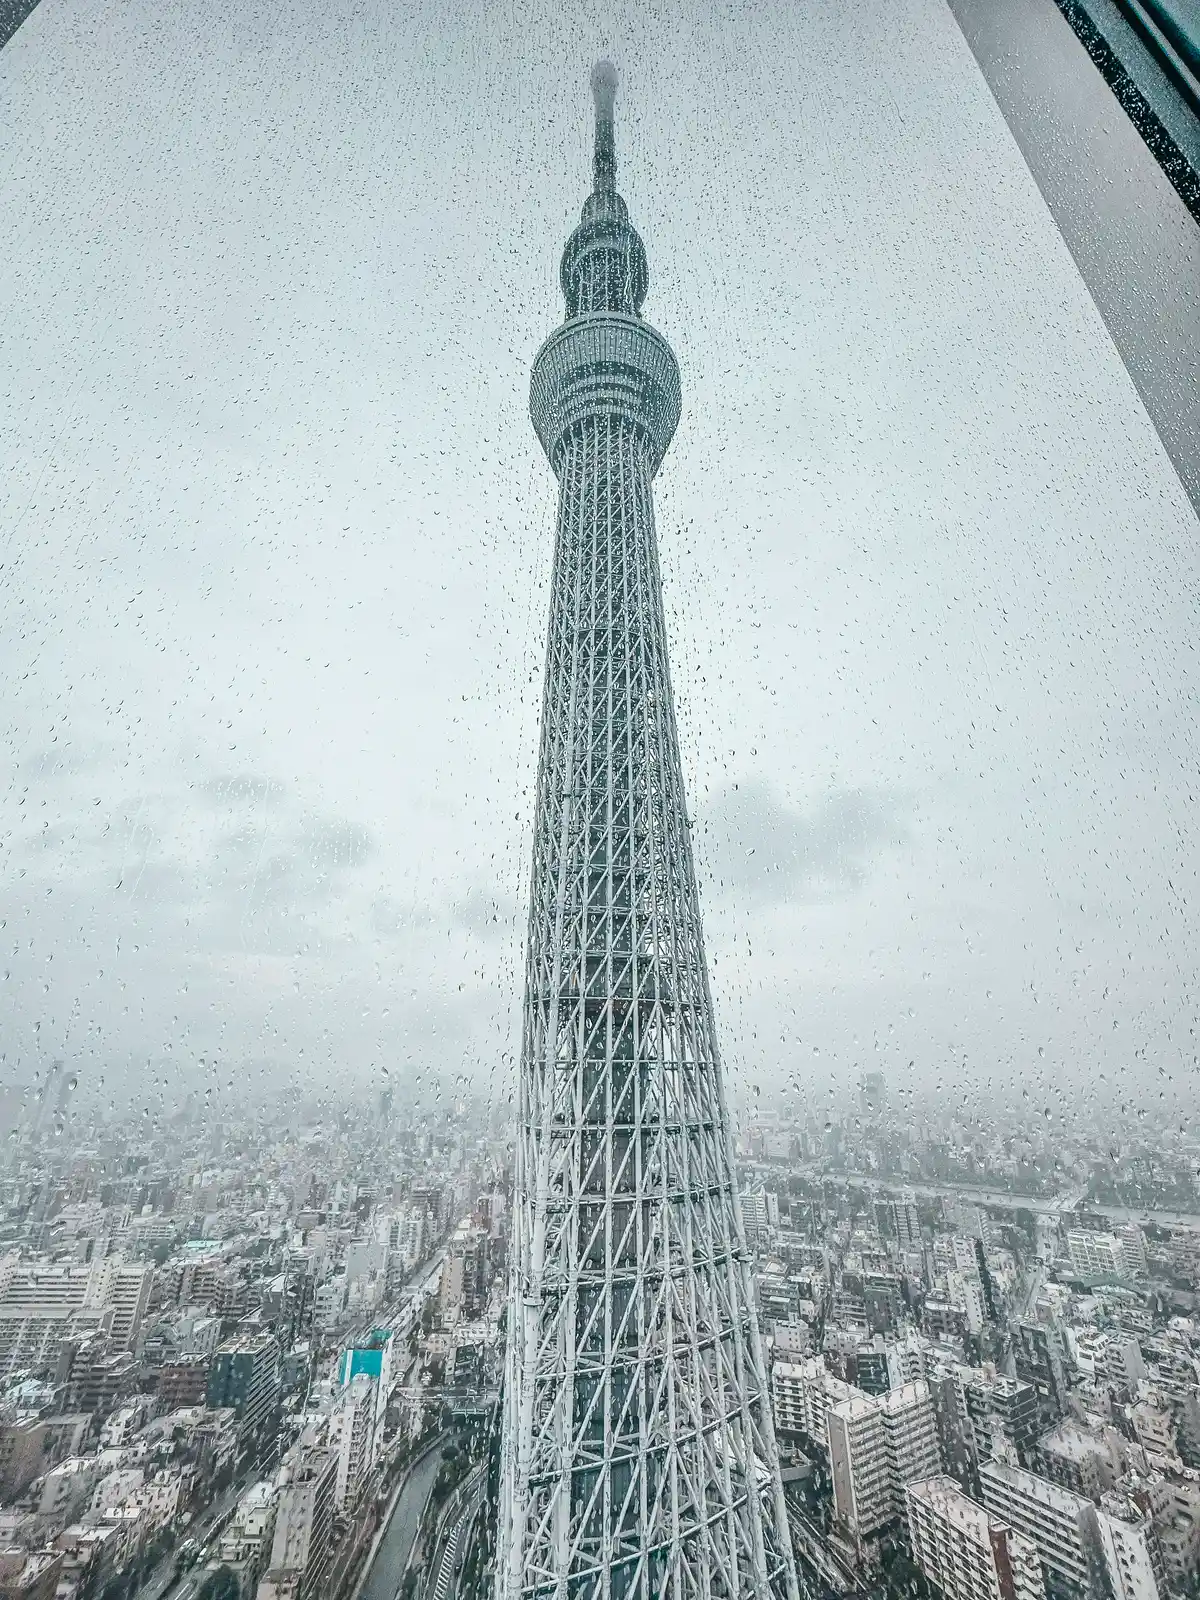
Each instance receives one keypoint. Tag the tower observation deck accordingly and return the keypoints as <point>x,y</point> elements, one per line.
<point>638,1458</point>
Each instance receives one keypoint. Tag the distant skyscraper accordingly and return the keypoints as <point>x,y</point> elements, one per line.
<point>50,1102</point>
<point>872,1093</point>
<point>639,1457</point>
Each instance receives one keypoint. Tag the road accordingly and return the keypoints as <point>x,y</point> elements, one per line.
<point>467,1498</point>
<point>161,1584</point>
<point>391,1558</point>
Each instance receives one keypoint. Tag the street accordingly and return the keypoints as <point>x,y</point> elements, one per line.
<point>161,1585</point>
<point>455,1524</point>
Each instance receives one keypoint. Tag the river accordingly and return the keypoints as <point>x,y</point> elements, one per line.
<point>387,1569</point>
<point>1001,1200</point>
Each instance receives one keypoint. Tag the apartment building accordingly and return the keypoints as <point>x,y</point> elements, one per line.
<point>801,1394</point>
<point>303,1536</point>
<point>1058,1522</point>
<point>965,1552</point>
<point>877,1445</point>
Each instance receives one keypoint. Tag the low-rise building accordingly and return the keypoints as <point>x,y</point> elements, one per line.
<point>67,1488</point>
<point>1079,1458</point>
<point>246,1542</point>
<point>30,1575</point>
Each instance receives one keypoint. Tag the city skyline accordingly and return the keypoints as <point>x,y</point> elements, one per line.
<point>932,641</point>
<point>239,1359</point>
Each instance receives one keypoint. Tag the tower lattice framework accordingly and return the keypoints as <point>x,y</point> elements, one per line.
<point>638,1457</point>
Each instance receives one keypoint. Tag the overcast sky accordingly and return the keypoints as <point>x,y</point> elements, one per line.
<point>276,537</point>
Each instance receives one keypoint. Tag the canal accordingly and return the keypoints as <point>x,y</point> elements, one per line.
<point>387,1569</point>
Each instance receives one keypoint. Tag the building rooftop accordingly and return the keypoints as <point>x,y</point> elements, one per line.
<point>1072,1441</point>
<point>854,1406</point>
<point>944,1494</point>
<point>907,1394</point>
<point>1029,1484</point>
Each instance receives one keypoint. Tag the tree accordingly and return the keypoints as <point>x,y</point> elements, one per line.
<point>221,1584</point>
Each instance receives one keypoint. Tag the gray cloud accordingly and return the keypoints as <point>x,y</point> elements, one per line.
<point>393,919</point>
<point>767,852</point>
<point>242,789</point>
<point>162,857</point>
<point>488,914</point>
<point>277,535</point>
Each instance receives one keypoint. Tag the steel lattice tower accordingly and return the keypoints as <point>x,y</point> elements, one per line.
<point>638,1457</point>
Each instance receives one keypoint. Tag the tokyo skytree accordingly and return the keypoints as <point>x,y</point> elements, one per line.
<point>638,1458</point>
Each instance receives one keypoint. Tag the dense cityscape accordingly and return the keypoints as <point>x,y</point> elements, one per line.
<point>241,1358</point>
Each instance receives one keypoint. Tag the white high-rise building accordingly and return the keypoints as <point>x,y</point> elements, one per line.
<point>37,1306</point>
<point>907,1222</point>
<point>1133,1249</point>
<point>755,1217</point>
<point>863,1497</point>
<point>352,1435</point>
<point>1060,1523</point>
<point>906,1360</point>
<point>123,1286</point>
<point>329,1302</point>
<point>801,1394</point>
<point>1129,1547</point>
<point>302,1541</point>
<point>964,1552</point>
<point>41,1305</point>
<point>966,1259</point>
<point>965,1293</point>
<point>410,1237</point>
<point>1096,1254</point>
<point>910,1436</point>
<point>878,1445</point>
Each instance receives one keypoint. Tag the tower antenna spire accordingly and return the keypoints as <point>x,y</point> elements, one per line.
<point>604,162</point>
